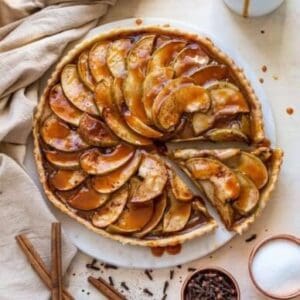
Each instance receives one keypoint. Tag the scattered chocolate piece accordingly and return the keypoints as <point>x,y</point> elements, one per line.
<point>262,31</point>
<point>191,269</point>
<point>147,272</point>
<point>109,266</point>
<point>261,80</point>
<point>290,110</point>
<point>92,265</point>
<point>73,274</point>
<point>166,285</point>
<point>124,285</point>
<point>138,21</point>
<point>88,293</point>
<point>146,291</point>
<point>82,290</point>
<point>164,297</point>
<point>111,282</point>
<point>264,68</point>
<point>251,238</point>
<point>171,274</point>
<point>179,266</point>
<point>210,284</point>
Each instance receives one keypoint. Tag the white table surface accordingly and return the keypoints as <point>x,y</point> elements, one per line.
<point>279,49</point>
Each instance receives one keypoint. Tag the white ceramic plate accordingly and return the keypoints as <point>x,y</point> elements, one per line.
<point>140,257</point>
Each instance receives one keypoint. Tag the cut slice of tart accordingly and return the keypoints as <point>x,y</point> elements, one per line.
<point>236,182</point>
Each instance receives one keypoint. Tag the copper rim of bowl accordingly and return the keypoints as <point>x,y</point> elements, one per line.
<point>251,258</point>
<point>212,268</point>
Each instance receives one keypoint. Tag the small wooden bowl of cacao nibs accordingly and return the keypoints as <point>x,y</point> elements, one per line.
<point>212,283</point>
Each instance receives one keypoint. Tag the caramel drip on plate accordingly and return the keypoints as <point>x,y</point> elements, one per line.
<point>246,8</point>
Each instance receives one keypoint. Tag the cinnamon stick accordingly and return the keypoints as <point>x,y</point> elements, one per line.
<point>56,265</point>
<point>105,288</point>
<point>37,263</point>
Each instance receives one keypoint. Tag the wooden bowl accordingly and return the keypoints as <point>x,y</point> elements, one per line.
<point>216,269</point>
<point>251,258</point>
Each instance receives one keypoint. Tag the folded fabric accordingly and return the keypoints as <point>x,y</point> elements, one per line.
<point>35,34</point>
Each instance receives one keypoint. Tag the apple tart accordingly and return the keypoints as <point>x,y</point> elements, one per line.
<point>109,106</point>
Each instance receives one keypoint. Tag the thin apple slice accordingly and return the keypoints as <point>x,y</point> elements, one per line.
<point>112,181</point>
<point>219,84</point>
<point>76,91</point>
<point>96,163</point>
<point>226,135</point>
<point>86,198</point>
<point>153,84</point>
<point>189,98</point>
<point>251,166</point>
<point>117,94</point>
<point>133,84</point>
<point>177,215</point>
<point>225,210</point>
<point>179,189</point>
<point>60,105</point>
<point>202,122</point>
<point>226,184</point>
<point>221,154</point>
<point>96,132</point>
<point>117,124</point>
<point>141,128</point>
<point>189,59</point>
<point>209,73</point>
<point>112,209</point>
<point>227,101</point>
<point>63,160</point>
<point>116,57</point>
<point>165,54</point>
<point>103,95</point>
<point>84,70</point>
<point>97,61</point>
<point>65,180</point>
<point>248,199</point>
<point>60,136</point>
<point>153,170</point>
<point>160,204</point>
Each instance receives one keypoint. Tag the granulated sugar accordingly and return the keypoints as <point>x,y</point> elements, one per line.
<point>276,267</point>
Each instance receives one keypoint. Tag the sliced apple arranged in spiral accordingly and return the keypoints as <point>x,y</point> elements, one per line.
<point>209,73</point>
<point>153,84</point>
<point>86,198</point>
<point>76,92</point>
<point>97,61</point>
<point>251,166</point>
<point>114,180</point>
<point>248,199</point>
<point>112,209</point>
<point>189,59</point>
<point>84,70</point>
<point>179,189</point>
<point>160,204</point>
<point>60,105</point>
<point>95,132</point>
<point>63,160</point>
<point>154,173</point>
<point>135,215</point>
<point>177,215</point>
<point>60,136</point>
<point>225,135</point>
<point>177,97</point>
<point>226,184</point>
<point>108,110</point>
<point>96,163</point>
<point>64,180</point>
<point>165,54</point>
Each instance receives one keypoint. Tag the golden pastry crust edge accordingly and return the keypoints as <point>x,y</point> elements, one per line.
<point>256,115</point>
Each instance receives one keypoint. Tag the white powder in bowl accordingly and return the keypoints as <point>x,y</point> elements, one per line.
<point>276,267</point>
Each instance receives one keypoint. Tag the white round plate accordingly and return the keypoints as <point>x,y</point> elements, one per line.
<point>140,257</point>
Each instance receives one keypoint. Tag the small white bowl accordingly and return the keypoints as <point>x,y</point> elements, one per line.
<point>253,8</point>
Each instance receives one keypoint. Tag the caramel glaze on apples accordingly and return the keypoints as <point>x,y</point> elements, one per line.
<point>94,140</point>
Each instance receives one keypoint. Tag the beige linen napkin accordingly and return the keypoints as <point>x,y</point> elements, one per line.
<point>33,37</point>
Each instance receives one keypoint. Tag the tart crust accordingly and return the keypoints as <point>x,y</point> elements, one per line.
<point>257,134</point>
